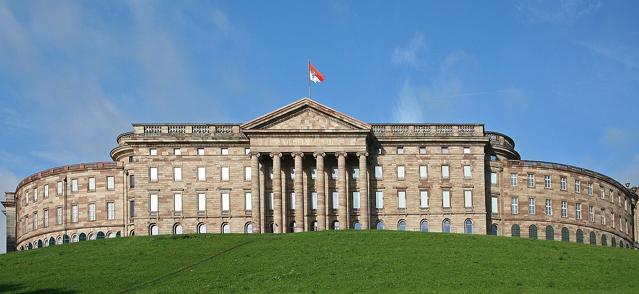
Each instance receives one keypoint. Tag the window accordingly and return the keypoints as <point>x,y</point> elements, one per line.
<point>378,172</point>
<point>466,150</point>
<point>379,199</point>
<point>355,173</point>
<point>564,209</point>
<point>110,210</point>
<point>335,200</point>
<point>177,174</point>
<point>131,181</point>
<point>154,202</point>
<point>91,211</point>
<point>612,219</point>
<point>445,172</point>
<point>532,232</point>
<point>401,225</point>
<point>446,226</point>
<point>154,230</point>
<point>423,199</point>
<point>468,174</point>
<point>548,207</point>
<point>334,173</point>
<point>248,228</point>
<point>74,213</point>
<point>225,201</point>
<point>45,217</point>
<point>356,204</point>
<point>35,194</point>
<point>515,230</point>
<point>401,199</point>
<point>532,202</point>
<point>110,183</point>
<point>422,150</point>
<point>247,151</point>
<point>224,151</point>
<point>550,233</point>
<point>153,174</point>
<point>177,151</point>
<point>468,198</point>
<point>35,220</point>
<point>514,205</point>
<point>547,182</point>
<point>563,183</point>
<point>46,191</point>
<point>271,201</point>
<point>248,201</point>
<point>59,188</point>
<point>591,214</point>
<point>177,229</point>
<point>468,226</point>
<point>513,180</point>
<point>401,172</point>
<point>74,185</point>
<point>493,178</point>
<point>201,202</point>
<point>531,180</point>
<point>579,236</point>
<point>590,189</point>
<point>494,204</point>
<point>314,200</point>
<point>423,226</point>
<point>177,202</point>
<point>201,173</point>
<point>225,173</point>
<point>602,192</point>
<point>200,151</point>
<point>58,216</point>
<point>292,201</point>
<point>577,186</point>
<point>400,149</point>
<point>444,150</point>
<point>423,172</point>
<point>603,217</point>
<point>153,151</point>
<point>446,199</point>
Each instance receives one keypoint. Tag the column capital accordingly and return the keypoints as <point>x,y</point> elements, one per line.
<point>341,153</point>
<point>296,154</point>
<point>362,153</point>
<point>319,154</point>
<point>256,154</point>
<point>273,154</point>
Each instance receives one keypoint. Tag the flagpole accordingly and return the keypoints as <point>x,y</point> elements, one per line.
<point>308,69</point>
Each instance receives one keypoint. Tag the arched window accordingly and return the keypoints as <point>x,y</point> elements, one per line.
<point>75,238</point>
<point>446,226</point>
<point>248,228</point>
<point>132,233</point>
<point>154,230</point>
<point>118,234</point>
<point>468,226</point>
<point>565,234</point>
<point>604,240</point>
<point>336,225</point>
<point>201,228</point>
<point>593,238</point>
<point>550,233</point>
<point>580,236</point>
<point>29,246</point>
<point>291,227</point>
<point>423,226</point>
<point>380,225</point>
<point>532,232</point>
<point>66,239</point>
<point>100,235</point>
<point>401,225</point>
<point>515,231</point>
<point>314,226</point>
<point>83,237</point>
<point>177,229</point>
<point>226,228</point>
<point>493,229</point>
<point>39,243</point>
<point>613,242</point>
<point>58,240</point>
<point>357,226</point>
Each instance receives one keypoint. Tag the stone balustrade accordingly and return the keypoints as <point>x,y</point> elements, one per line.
<point>428,130</point>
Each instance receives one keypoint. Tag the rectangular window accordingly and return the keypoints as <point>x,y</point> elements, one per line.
<point>314,200</point>
<point>153,151</point>
<point>110,183</point>
<point>335,200</point>
<point>292,201</point>
<point>356,200</point>
<point>177,202</point>
<point>177,174</point>
<point>446,199</point>
<point>563,183</point>
<point>591,214</point>
<point>564,209</point>
<point>513,180</point>
<point>58,216</point>
<point>201,173</point>
<point>379,199</point>
<point>603,217</point>
<point>578,211</point>
<point>247,173</point>
<point>423,172</point>
<point>248,201</point>
<point>74,185</point>
<point>131,181</point>
<point>531,180</point>
<point>59,188</point>
<point>224,151</point>
<point>445,172</point>
<point>532,205</point>
<point>466,150</point>
<point>577,186</point>
<point>35,220</point>
<point>200,151</point>
<point>132,209</point>
<point>423,198</point>
<point>547,182</point>
<point>74,213</point>
<point>401,199</point>
<point>226,205</point>
<point>271,201</point>
<point>91,211</point>
<point>612,219</point>
<point>91,184</point>
<point>45,217</point>
<point>355,173</point>
<point>110,210</point>
<point>548,207</point>
<point>468,174</point>
<point>225,173</point>
<point>153,174</point>
<point>514,205</point>
<point>401,172</point>
<point>177,151</point>
<point>468,198</point>
<point>201,202</point>
<point>493,178</point>
<point>378,172</point>
<point>494,204</point>
<point>35,194</point>
<point>400,149</point>
<point>334,173</point>
<point>590,189</point>
<point>602,193</point>
<point>46,191</point>
<point>154,202</point>
<point>422,150</point>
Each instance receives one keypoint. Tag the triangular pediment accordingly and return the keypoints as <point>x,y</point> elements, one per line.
<point>305,114</point>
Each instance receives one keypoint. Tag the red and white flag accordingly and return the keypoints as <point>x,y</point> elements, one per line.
<point>314,74</point>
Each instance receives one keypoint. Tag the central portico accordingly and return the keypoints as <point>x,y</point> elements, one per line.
<point>321,142</point>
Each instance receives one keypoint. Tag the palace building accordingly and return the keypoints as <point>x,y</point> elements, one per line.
<point>307,167</point>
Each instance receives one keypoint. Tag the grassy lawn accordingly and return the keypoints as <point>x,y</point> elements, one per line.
<point>321,262</point>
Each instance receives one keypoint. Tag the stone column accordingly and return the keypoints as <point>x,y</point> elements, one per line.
<point>255,191</point>
<point>299,191</point>
<point>341,190</point>
<point>362,186</point>
<point>276,184</point>
<point>319,189</point>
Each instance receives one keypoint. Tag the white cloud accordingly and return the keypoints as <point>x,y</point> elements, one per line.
<point>556,11</point>
<point>410,54</point>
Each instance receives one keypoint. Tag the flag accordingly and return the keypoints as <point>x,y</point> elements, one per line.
<point>314,74</point>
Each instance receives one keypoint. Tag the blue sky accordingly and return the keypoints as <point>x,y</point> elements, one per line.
<point>560,77</point>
